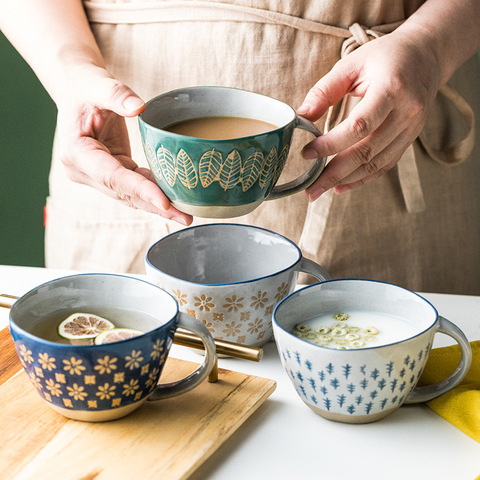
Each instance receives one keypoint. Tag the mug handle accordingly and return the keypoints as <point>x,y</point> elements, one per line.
<point>307,178</point>
<point>429,392</point>
<point>172,389</point>
<point>313,268</point>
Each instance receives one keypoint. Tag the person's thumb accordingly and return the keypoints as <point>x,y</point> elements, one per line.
<point>113,95</point>
<point>133,105</point>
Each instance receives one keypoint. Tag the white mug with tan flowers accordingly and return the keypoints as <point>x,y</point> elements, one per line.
<point>229,276</point>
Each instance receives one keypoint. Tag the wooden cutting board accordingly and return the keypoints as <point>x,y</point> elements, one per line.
<point>161,440</point>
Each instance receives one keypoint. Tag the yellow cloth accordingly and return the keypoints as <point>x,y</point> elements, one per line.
<point>461,405</point>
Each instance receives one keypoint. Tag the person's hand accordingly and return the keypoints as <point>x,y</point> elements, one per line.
<point>94,145</point>
<point>397,77</point>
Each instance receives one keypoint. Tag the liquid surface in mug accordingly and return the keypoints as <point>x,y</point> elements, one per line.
<point>48,327</point>
<point>220,128</point>
<point>355,329</point>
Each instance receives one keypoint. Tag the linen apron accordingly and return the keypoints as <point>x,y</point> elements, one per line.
<point>418,226</point>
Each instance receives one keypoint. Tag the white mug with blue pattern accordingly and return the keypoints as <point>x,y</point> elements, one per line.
<point>365,384</point>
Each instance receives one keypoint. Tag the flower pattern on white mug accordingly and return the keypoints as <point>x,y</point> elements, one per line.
<point>232,328</point>
<point>180,297</point>
<point>233,303</point>
<point>204,303</point>
<point>259,300</point>
<point>232,315</point>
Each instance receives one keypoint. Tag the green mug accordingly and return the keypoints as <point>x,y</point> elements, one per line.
<point>229,177</point>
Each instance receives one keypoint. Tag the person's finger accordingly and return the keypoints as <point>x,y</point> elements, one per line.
<point>172,213</point>
<point>111,94</point>
<point>357,179</point>
<point>136,202</point>
<point>329,90</point>
<point>379,165</point>
<point>365,172</point>
<point>93,165</point>
<point>146,172</point>
<point>364,119</point>
<point>363,154</point>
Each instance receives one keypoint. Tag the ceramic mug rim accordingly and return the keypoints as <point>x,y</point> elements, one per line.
<point>42,341</point>
<point>369,348</point>
<point>220,141</point>
<point>220,285</point>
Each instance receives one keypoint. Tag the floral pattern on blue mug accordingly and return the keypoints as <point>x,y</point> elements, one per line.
<point>105,379</point>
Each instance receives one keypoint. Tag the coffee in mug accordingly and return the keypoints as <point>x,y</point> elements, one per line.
<point>220,128</point>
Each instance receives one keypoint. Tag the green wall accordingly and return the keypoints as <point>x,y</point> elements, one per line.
<point>27,123</point>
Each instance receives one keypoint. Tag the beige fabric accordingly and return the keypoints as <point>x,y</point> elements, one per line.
<point>281,48</point>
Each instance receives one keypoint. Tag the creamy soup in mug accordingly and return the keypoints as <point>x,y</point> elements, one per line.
<point>355,329</point>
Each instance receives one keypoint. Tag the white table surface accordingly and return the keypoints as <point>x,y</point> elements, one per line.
<point>284,439</point>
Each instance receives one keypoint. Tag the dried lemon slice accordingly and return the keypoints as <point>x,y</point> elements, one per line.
<point>116,334</point>
<point>80,326</point>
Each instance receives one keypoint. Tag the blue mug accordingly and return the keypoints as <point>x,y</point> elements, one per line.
<point>108,381</point>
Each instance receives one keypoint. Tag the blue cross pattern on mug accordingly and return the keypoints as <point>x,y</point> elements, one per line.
<point>341,388</point>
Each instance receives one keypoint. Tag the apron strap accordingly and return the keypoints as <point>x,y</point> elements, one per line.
<point>201,11</point>
<point>410,182</point>
<point>457,153</point>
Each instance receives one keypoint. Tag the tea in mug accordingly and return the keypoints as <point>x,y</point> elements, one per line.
<point>93,325</point>
<point>220,127</point>
<point>356,329</point>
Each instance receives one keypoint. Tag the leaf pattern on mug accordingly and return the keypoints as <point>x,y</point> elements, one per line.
<point>186,170</point>
<point>209,167</point>
<point>268,168</point>
<point>166,163</point>
<point>149,152</point>
<point>231,170</point>
<point>282,159</point>
<point>152,158</point>
<point>251,169</point>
